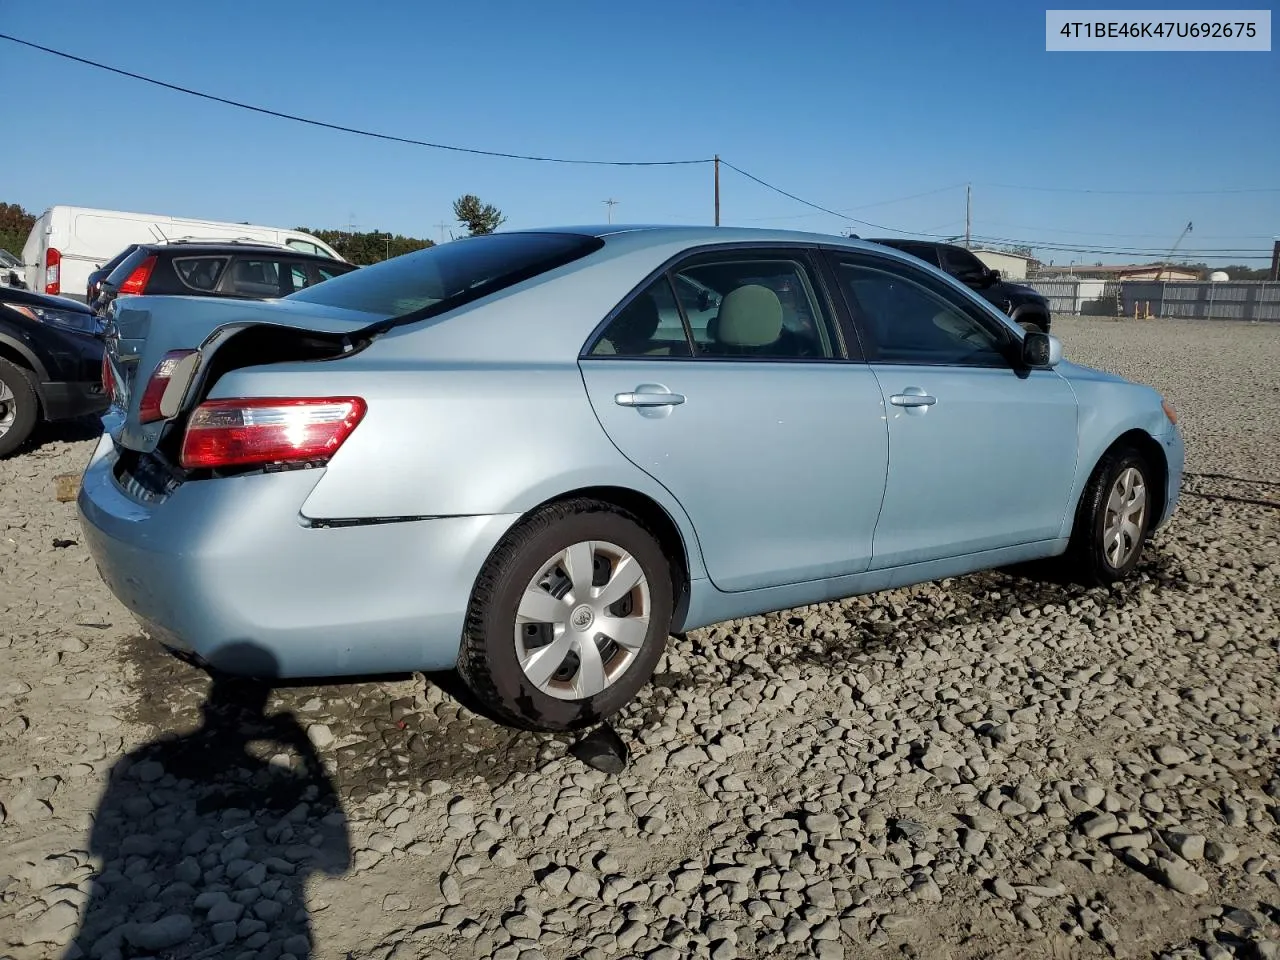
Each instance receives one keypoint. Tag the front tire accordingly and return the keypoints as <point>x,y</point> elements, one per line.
<point>1113,519</point>
<point>568,618</point>
<point>19,407</point>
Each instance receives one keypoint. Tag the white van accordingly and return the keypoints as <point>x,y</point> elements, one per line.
<point>69,243</point>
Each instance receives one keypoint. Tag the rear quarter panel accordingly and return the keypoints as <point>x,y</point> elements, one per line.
<point>482,412</point>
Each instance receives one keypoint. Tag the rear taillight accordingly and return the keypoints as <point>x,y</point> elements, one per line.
<point>228,433</point>
<point>149,406</point>
<point>137,281</point>
<point>108,379</point>
<point>53,270</point>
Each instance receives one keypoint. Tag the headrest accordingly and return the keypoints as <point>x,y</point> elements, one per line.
<point>750,316</point>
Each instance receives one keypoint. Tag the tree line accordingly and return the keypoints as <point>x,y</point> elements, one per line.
<point>362,247</point>
<point>15,227</point>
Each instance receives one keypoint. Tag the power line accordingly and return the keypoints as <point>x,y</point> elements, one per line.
<point>1153,193</point>
<point>1100,233</point>
<point>808,203</point>
<point>345,129</point>
<point>1135,251</point>
<point>862,206</point>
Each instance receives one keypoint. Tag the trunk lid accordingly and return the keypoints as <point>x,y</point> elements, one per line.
<point>141,330</point>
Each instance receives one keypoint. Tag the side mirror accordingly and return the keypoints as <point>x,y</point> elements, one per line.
<point>1041,351</point>
<point>993,277</point>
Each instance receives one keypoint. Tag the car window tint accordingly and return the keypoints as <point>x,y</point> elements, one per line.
<point>963,264</point>
<point>649,326</point>
<point>253,277</point>
<point>300,276</point>
<point>910,323</point>
<point>328,274</point>
<point>200,273</point>
<point>924,251</point>
<point>755,307</point>
<point>443,276</point>
<point>304,247</point>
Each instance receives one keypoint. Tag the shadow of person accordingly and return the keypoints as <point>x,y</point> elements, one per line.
<point>206,839</point>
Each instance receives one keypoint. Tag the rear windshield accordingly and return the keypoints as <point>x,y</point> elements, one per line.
<point>118,258</point>
<point>126,266</point>
<point>449,274</point>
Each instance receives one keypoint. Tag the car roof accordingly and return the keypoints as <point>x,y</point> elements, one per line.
<point>231,246</point>
<point>658,234</point>
<point>897,241</point>
<point>30,298</point>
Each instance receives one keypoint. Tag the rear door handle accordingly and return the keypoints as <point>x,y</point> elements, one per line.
<point>911,399</point>
<point>648,398</point>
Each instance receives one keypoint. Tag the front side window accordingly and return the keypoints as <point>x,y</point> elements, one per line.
<point>910,319</point>
<point>755,306</point>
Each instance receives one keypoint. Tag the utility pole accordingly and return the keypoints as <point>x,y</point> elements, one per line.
<point>968,211</point>
<point>717,165</point>
<point>388,239</point>
<point>610,203</point>
<point>442,227</point>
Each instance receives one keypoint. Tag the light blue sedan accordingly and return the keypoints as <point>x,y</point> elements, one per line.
<point>533,455</point>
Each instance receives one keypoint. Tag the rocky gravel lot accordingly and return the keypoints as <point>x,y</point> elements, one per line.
<point>990,766</point>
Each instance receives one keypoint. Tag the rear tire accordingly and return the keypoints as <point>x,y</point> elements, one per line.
<point>568,618</point>
<point>1113,519</point>
<point>19,407</point>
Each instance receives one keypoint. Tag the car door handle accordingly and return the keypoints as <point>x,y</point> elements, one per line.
<point>648,399</point>
<point>912,400</point>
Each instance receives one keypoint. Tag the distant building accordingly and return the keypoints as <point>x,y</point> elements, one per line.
<point>1012,266</point>
<point>1140,271</point>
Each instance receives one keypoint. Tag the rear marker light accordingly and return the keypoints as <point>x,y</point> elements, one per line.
<point>137,280</point>
<point>266,430</point>
<point>149,406</point>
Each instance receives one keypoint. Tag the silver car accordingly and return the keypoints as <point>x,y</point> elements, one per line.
<point>532,455</point>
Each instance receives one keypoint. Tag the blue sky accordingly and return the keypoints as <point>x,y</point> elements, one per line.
<point>846,104</point>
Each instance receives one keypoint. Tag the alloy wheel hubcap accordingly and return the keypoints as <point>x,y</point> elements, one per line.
<point>1126,517</point>
<point>582,620</point>
<point>8,408</point>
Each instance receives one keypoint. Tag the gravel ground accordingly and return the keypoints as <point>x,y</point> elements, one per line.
<point>984,767</point>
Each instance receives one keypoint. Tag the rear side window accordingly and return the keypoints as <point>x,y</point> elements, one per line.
<point>924,251</point>
<point>442,277</point>
<point>962,264</point>
<point>200,273</point>
<point>254,277</point>
<point>649,326</point>
<point>751,306</point>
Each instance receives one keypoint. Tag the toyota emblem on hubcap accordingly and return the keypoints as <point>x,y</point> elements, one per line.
<point>582,617</point>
